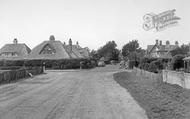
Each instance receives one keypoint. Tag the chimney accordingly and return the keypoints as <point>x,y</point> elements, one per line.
<point>156,41</point>
<point>176,43</point>
<point>167,42</point>
<point>64,43</point>
<point>15,41</point>
<point>70,44</point>
<point>52,38</point>
<point>160,42</point>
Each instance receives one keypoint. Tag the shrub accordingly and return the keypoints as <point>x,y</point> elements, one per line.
<point>177,62</point>
<point>153,67</point>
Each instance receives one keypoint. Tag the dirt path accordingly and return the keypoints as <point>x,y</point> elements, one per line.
<point>86,94</point>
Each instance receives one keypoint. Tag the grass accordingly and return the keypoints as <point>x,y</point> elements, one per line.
<point>160,100</point>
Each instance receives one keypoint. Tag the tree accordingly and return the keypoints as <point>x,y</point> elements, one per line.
<point>177,61</point>
<point>132,51</point>
<point>184,49</point>
<point>94,55</point>
<point>109,51</point>
<point>130,47</point>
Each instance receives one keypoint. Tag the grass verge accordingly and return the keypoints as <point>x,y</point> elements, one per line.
<point>160,100</point>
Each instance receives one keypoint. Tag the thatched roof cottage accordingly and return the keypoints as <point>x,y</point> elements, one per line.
<point>15,51</point>
<point>54,50</point>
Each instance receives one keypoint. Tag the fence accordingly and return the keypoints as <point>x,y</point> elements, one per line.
<point>14,75</point>
<point>148,75</point>
<point>180,78</point>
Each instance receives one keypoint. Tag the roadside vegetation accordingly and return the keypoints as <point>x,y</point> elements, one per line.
<point>160,100</point>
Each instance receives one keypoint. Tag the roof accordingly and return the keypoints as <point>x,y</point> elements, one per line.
<point>21,49</point>
<point>161,48</point>
<point>74,53</point>
<point>83,51</point>
<point>59,51</point>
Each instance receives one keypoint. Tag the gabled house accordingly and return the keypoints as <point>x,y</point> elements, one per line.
<point>161,51</point>
<point>14,51</point>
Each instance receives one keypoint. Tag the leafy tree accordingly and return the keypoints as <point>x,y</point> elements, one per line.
<point>94,55</point>
<point>177,61</point>
<point>130,47</point>
<point>132,51</point>
<point>184,49</point>
<point>109,51</point>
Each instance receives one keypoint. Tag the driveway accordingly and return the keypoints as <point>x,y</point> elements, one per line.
<point>69,94</point>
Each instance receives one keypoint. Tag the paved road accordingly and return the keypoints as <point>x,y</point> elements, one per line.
<point>86,94</point>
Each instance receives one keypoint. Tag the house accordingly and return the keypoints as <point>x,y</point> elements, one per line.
<point>158,50</point>
<point>53,50</point>
<point>14,51</point>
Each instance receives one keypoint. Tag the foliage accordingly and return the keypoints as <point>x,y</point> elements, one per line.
<point>94,55</point>
<point>184,49</point>
<point>153,67</point>
<point>177,62</point>
<point>14,75</point>
<point>152,64</point>
<point>109,51</point>
<point>132,51</point>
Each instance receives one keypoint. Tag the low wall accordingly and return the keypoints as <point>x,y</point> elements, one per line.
<point>148,75</point>
<point>180,78</point>
<point>173,77</point>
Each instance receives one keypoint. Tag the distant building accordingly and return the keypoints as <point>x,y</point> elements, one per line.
<point>158,50</point>
<point>14,51</point>
<point>53,50</point>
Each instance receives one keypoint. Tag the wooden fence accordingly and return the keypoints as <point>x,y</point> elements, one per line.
<point>148,75</point>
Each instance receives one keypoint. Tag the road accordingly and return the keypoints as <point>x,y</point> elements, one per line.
<point>72,94</point>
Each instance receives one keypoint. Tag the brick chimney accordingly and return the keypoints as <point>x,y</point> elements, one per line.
<point>176,43</point>
<point>52,38</point>
<point>70,45</point>
<point>156,41</point>
<point>15,41</point>
<point>160,42</point>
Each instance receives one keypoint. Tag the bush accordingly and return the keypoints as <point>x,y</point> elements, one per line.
<point>153,67</point>
<point>50,64</point>
<point>14,75</point>
<point>177,62</point>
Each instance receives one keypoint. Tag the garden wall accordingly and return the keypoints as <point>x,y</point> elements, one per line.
<point>148,75</point>
<point>180,78</point>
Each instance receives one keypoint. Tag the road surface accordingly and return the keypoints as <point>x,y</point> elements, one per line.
<point>77,94</point>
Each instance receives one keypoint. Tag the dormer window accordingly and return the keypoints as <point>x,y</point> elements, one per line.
<point>47,49</point>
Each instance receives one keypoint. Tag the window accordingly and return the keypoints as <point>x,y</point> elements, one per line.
<point>47,49</point>
<point>8,54</point>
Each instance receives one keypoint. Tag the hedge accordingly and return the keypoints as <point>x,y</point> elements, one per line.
<point>50,64</point>
<point>14,75</point>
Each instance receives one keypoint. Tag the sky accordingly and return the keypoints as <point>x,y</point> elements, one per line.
<point>90,22</point>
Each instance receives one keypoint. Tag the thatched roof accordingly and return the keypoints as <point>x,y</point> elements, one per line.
<point>83,51</point>
<point>73,51</point>
<point>57,51</point>
<point>14,51</point>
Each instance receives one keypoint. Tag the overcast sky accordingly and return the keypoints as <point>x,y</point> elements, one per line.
<point>90,22</point>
